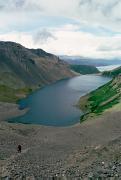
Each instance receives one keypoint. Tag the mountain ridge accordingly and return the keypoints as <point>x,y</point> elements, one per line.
<point>23,70</point>
<point>80,60</point>
<point>29,67</point>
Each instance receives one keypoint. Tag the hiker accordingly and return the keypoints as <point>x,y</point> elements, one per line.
<point>19,148</point>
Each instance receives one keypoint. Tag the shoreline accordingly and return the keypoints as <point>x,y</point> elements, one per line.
<point>55,150</point>
<point>69,152</point>
<point>10,110</point>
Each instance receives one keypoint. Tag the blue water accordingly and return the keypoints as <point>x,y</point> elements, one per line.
<point>54,104</point>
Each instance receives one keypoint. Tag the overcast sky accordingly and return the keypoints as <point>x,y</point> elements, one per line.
<point>90,28</point>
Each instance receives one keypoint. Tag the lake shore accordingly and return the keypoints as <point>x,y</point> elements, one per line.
<point>55,104</point>
<point>58,151</point>
<point>10,110</point>
<point>65,152</point>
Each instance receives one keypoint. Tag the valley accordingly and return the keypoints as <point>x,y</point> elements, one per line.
<point>90,149</point>
<point>60,90</point>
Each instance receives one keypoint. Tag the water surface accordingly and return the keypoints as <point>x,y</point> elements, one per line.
<point>54,105</point>
<point>108,68</point>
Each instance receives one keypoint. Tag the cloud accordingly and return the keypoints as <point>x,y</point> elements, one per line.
<point>77,27</point>
<point>111,48</point>
<point>102,13</point>
<point>43,36</point>
<point>19,5</point>
<point>69,41</point>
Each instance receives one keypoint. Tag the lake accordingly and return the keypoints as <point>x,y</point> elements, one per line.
<point>54,105</point>
<point>108,68</point>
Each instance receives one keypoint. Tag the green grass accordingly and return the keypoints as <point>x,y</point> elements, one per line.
<point>102,95</point>
<point>100,109</point>
<point>12,95</point>
<point>84,69</point>
<point>102,99</point>
<point>112,73</point>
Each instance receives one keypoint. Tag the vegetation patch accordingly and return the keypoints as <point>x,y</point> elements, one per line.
<point>113,73</point>
<point>11,95</point>
<point>84,69</point>
<point>101,99</point>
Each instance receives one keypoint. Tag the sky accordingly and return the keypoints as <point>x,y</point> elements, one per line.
<point>89,28</point>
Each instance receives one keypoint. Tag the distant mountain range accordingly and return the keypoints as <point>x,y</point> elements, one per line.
<point>79,60</point>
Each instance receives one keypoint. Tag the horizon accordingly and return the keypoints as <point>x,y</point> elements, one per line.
<point>87,28</point>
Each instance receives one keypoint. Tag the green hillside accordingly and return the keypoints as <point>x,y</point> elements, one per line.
<point>112,73</point>
<point>84,69</point>
<point>101,99</point>
<point>11,95</point>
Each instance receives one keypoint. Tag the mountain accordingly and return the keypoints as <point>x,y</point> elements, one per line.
<point>43,54</point>
<point>79,60</point>
<point>84,69</point>
<point>29,67</point>
<point>113,73</point>
<point>22,68</point>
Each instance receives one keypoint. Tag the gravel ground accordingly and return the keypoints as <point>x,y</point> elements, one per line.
<point>91,150</point>
<point>8,110</point>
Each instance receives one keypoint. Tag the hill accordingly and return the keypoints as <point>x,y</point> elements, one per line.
<point>101,99</point>
<point>112,73</point>
<point>22,70</point>
<point>84,69</point>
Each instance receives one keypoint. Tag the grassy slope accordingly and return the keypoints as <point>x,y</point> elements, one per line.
<point>101,99</point>
<point>84,69</point>
<point>11,95</point>
<point>112,73</point>
<point>12,88</point>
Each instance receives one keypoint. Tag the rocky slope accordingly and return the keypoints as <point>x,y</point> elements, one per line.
<point>22,70</point>
<point>90,150</point>
<point>21,67</point>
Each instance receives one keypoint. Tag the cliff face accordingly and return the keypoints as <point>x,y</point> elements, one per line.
<point>21,67</point>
